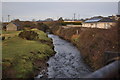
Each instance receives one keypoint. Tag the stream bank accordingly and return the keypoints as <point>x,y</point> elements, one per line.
<point>67,62</point>
<point>91,42</point>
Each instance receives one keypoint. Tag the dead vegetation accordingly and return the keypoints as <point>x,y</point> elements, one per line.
<point>92,42</point>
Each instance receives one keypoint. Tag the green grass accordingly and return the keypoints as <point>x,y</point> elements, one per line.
<point>42,35</point>
<point>19,54</point>
<point>10,34</point>
<point>18,46</point>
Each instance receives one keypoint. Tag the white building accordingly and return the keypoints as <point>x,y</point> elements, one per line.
<point>104,23</point>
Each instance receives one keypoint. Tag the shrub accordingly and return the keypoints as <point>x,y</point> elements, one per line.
<point>3,37</point>
<point>29,35</point>
<point>72,23</point>
<point>9,37</point>
<point>26,25</point>
<point>43,27</point>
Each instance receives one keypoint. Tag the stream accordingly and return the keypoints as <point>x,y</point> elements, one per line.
<point>67,62</point>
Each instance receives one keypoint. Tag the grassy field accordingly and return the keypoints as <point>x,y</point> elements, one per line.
<point>20,55</point>
<point>9,34</point>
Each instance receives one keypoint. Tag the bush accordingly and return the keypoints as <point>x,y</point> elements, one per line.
<point>26,25</point>
<point>73,23</point>
<point>43,27</point>
<point>3,37</point>
<point>29,35</point>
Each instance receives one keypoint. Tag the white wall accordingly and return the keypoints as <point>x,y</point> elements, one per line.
<point>104,25</point>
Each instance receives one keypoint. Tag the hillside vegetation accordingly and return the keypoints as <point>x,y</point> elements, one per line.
<point>91,42</point>
<point>25,58</point>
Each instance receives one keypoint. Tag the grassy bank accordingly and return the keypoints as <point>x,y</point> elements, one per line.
<point>25,58</point>
<point>91,42</point>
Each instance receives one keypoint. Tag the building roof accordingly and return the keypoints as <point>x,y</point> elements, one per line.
<point>107,20</point>
<point>16,24</point>
<point>93,20</point>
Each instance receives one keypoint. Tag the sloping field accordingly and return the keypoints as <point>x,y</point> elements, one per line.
<point>22,58</point>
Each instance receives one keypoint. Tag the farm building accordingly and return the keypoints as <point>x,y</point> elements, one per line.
<point>13,27</point>
<point>104,23</point>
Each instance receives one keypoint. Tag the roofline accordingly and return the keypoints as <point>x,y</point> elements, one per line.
<point>100,22</point>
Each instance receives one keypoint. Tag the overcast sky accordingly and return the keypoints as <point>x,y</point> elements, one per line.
<point>43,10</point>
<point>60,0</point>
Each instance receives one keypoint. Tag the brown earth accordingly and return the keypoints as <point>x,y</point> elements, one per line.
<point>91,42</point>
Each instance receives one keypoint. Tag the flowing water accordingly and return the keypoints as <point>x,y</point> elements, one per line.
<point>67,62</point>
